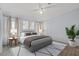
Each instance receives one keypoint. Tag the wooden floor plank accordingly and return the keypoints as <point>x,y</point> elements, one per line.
<point>70,51</point>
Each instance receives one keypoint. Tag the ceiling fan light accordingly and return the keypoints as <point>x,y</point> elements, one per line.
<point>41,12</point>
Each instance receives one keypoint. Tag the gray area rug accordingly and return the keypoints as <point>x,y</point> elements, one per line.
<point>52,50</point>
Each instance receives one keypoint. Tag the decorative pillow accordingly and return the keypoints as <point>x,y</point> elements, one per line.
<point>33,33</point>
<point>27,34</point>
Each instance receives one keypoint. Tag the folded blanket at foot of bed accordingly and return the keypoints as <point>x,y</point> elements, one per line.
<point>36,42</point>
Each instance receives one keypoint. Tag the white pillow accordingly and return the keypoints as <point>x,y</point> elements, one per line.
<point>22,34</point>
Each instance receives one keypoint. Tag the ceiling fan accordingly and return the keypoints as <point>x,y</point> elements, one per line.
<point>42,8</point>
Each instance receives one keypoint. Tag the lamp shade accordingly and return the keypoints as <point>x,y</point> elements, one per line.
<point>13,31</point>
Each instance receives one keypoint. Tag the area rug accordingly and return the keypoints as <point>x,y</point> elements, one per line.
<point>52,50</point>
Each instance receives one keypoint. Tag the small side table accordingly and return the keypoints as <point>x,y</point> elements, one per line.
<point>11,41</point>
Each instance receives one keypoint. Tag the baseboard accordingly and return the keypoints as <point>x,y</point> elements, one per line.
<point>60,42</point>
<point>0,49</point>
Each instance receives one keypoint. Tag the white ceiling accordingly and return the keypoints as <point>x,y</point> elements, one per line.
<point>18,8</point>
<point>26,9</point>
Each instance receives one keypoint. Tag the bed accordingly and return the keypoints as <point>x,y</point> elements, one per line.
<point>35,42</point>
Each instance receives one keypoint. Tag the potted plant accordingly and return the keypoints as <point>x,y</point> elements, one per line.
<point>72,33</point>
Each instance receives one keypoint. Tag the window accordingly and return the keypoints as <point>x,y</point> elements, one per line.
<point>25,25</point>
<point>12,23</point>
<point>13,26</point>
<point>28,25</point>
<point>32,26</point>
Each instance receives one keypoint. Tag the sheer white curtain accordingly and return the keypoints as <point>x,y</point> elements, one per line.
<point>40,28</point>
<point>17,26</point>
<point>6,29</point>
<point>9,23</point>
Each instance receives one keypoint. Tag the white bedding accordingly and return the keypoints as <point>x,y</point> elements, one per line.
<point>22,39</point>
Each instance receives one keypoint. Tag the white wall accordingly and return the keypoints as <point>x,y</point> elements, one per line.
<point>5,32</point>
<point>1,32</point>
<point>56,26</point>
<point>0,37</point>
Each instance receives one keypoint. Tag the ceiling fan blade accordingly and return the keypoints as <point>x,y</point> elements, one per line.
<point>39,7</point>
<point>49,6</point>
<point>43,8</point>
<point>35,9</point>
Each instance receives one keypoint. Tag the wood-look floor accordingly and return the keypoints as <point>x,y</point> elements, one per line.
<point>70,51</point>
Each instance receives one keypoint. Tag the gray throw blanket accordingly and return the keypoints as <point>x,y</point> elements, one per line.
<point>28,40</point>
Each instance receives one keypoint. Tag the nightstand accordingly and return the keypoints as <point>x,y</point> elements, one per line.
<point>13,41</point>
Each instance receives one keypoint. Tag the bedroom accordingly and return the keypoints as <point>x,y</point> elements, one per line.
<point>49,19</point>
